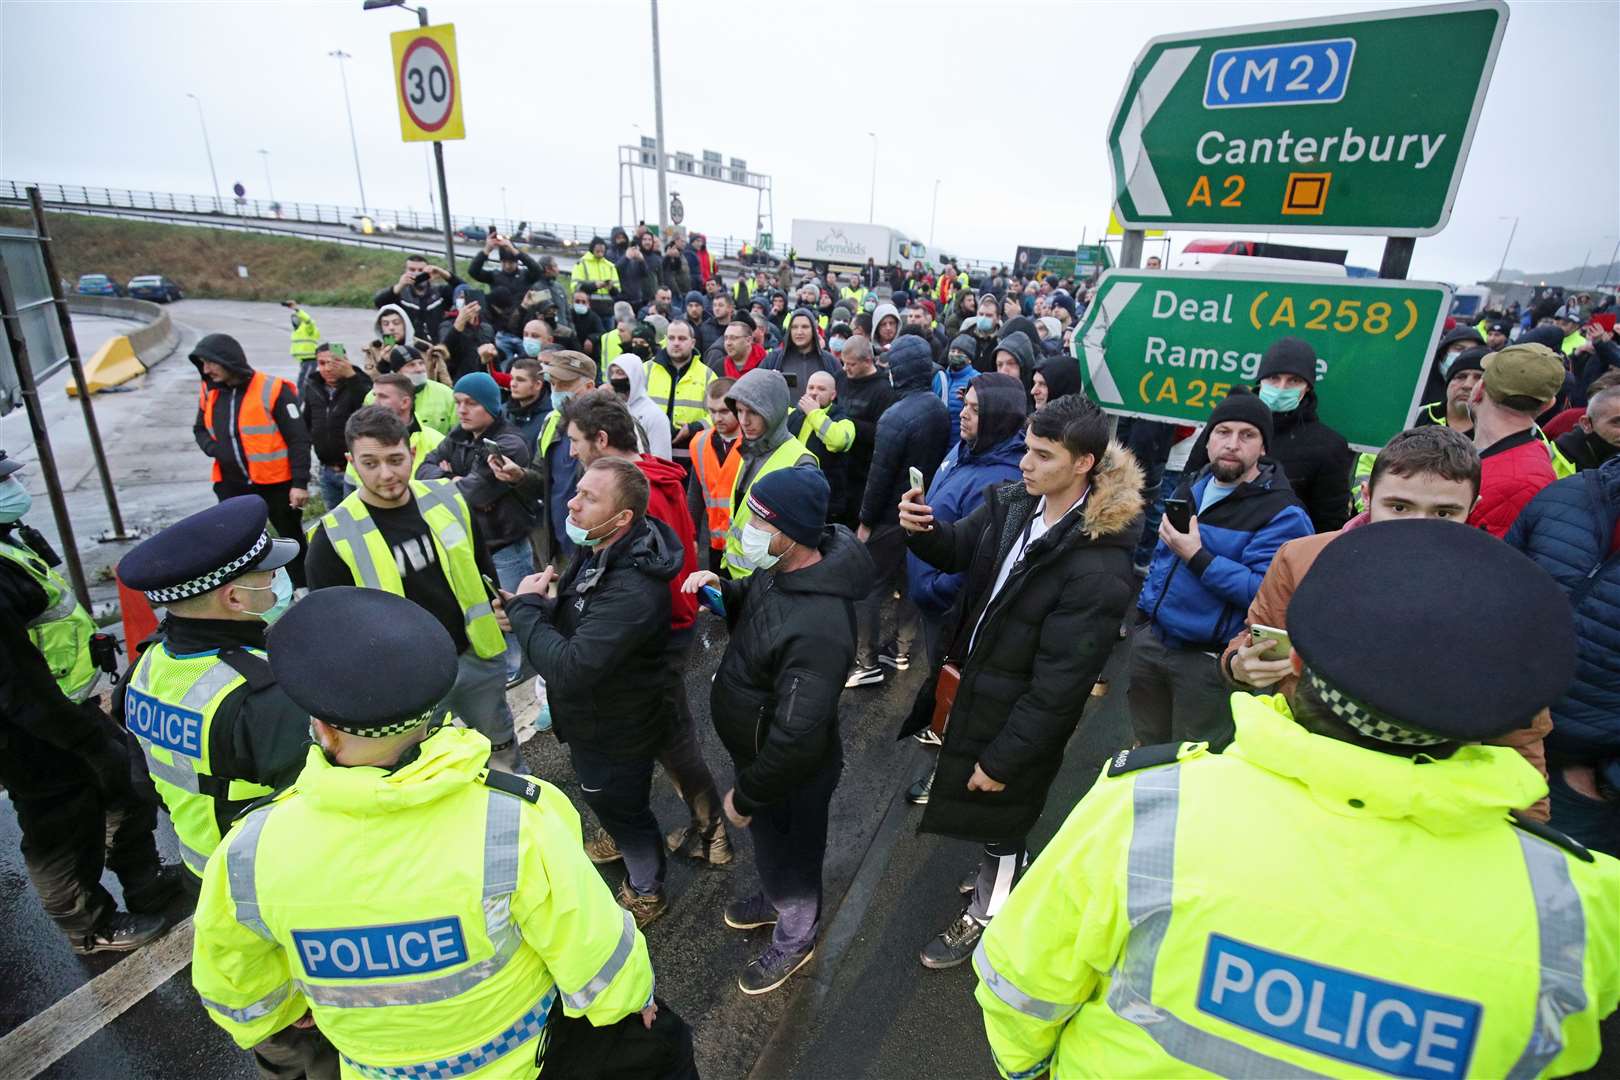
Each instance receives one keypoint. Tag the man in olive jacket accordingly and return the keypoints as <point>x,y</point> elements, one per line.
<point>1048,563</point>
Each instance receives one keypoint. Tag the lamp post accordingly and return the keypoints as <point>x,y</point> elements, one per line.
<point>1503,264</point>
<point>339,55</point>
<point>658,130</point>
<point>871,206</point>
<point>208,149</point>
<point>932,216</point>
<point>268,186</point>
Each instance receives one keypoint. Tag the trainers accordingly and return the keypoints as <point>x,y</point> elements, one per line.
<point>917,794</point>
<point>602,849</point>
<point>890,656</point>
<point>955,945</point>
<point>150,895</point>
<point>864,676</point>
<point>927,737</point>
<point>644,907</point>
<point>120,932</point>
<point>771,969</point>
<point>688,841</point>
<point>748,914</point>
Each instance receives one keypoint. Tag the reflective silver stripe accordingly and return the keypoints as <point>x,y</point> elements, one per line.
<point>688,403</point>
<point>442,494</point>
<point>62,609</point>
<point>716,504</point>
<point>241,858</point>
<point>344,525</point>
<point>582,998</point>
<point>182,771</point>
<point>182,774</point>
<point>478,611</point>
<point>258,429</point>
<point>825,426</point>
<point>1561,926</point>
<point>195,860</point>
<point>263,1007</point>
<point>502,823</point>
<point>1050,1012</point>
<point>527,1027</point>
<point>267,391</point>
<point>275,455</point>
<point>1150,886</point>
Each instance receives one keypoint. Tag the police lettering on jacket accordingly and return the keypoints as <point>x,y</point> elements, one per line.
<point>370,952</point>
<point>162,724</point>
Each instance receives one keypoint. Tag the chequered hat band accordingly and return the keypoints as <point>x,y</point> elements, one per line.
<point>398,727</point>
<point>213,579</point>
<point>1365,719</point>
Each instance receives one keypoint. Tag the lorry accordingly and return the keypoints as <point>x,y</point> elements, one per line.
<point>848,244</point>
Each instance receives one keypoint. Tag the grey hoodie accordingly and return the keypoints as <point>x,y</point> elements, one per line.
<point>766,393</point>
<point>879,313</point>
<point>649,417</point>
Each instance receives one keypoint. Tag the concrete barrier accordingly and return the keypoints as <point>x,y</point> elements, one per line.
<point>152,343</point>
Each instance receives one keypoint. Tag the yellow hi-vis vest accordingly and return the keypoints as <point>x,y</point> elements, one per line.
<point>1298,906</point>
<point>783,457</point>
<point>681,400</point>
<point>359,543</point>
<point>169,707</point>
<point>423,441</point>
<point>305,336</point>
<point>61,632</point>
<point>430,917</point>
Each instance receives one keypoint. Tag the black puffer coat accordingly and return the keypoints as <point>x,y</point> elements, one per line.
<point>1043,642</point>
<point>775,697</point>
<point>914,432</point>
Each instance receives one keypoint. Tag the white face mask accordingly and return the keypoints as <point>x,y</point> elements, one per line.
<point>756,547</point>
<point>417,377</point>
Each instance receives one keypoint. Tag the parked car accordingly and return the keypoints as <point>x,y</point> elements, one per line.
<point>474,234</point>
<point>155,287</point>
<point>99,285</point>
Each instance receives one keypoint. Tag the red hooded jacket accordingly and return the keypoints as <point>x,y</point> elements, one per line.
<point>667,503</point>
<point>1511,472</point>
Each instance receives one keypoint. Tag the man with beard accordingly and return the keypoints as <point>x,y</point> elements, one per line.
<point>1204,577</point>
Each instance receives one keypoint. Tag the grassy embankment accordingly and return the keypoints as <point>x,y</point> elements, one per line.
<point>204,261</point>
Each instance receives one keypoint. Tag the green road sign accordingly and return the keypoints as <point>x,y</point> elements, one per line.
<point>1170,346</point>
<point>1347,124</point>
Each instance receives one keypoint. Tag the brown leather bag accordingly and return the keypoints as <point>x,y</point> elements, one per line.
<point>945,687</point>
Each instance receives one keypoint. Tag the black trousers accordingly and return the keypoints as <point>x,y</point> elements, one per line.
<point>296,1054</point>
<point>284,520</point>
<point>579,1050</point>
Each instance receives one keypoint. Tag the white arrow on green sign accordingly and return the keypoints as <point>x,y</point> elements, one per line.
<point>1170,346</point>
<point>1347,124</point>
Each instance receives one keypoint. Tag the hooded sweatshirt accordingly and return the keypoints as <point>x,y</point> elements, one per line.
<point>913,433</point>
<point>1061,375</point>
<point>410,330</point>
<point>951,384</point>
<point>766,393</point>
<point>881,312</point>
<point>801,363</point>
<point>228,451</point>
<point>1015,341</point>
<point>666,501</point>
<point>656,434</point>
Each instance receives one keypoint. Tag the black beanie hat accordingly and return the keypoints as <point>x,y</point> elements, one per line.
<point>1241,404</point>
<point>1467,360</point>
<point>1289,356</point>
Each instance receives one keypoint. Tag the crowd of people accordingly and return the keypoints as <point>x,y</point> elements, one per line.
<point>853,473</point>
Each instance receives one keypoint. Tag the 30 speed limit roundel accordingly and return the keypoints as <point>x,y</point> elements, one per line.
<point>426,84</point>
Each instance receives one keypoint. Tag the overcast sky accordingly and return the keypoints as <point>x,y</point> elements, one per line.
<point>1006,105</point>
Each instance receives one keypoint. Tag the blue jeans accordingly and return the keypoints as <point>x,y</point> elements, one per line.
<point>790,845</point>
<point>1594,822</point>
<point>513,563</point>
<point>330,479</point>
<point>619,793</point>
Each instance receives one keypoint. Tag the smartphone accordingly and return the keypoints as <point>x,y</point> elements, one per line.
<point>1179,513</point>
<point>423,278</point>
<point>916,478</point>
<point>489,586</point>
<point>490,448</point>
<point>792,379</point>
<point>1278,640</point>
<point>709,596</point>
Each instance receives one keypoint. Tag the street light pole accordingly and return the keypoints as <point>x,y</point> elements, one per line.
<point>1503,264</point>
<point>339,55</point>
<point>871,206</point>
<point>932,216</point>
<point>268,186</point>
<point>208,149</point>
<point>658,130</point>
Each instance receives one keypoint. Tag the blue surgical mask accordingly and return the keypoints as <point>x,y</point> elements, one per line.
<point>281,588</point>
<point>982,323</point>
<point>531,346</point>
<point>14,500</point>
<point>580,309</point>
<point>559,398</point>
<point>582,536</point>
<point>836,345</point>
<point>1277,399</point>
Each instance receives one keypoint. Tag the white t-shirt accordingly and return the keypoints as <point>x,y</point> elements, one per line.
<point>1033,531</point>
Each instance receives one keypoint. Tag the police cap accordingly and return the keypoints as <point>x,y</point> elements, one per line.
<point>1423,632</point>
<point>210,548</point>
<point>407,659</point>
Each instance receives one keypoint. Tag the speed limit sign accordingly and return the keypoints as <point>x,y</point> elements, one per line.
<point>426,83</point>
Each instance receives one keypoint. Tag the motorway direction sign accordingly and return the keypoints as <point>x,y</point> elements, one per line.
<point>428,88</point>
<point>1346,124</point>
<point>1170,346</point>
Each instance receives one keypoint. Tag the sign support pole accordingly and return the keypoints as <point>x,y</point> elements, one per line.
<point>1130,248</point>
<point>1397,257</point>
<point>658,131</point>
<point>444,189</point>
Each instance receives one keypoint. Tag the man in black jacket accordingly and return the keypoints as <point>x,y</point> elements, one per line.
<point>1048,564</point>
<point>336,393</point>
<point>914,433</point>
<point>598,638</point>
<point>865,393</point>
<point>775,705</point>
<point>423,291</point>
<point>518,272</point>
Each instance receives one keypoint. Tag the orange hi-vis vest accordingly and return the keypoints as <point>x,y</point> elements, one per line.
<point>266,451</point>
<point>716,482</point>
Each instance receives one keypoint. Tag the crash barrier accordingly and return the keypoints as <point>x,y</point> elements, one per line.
<point>127,355</point>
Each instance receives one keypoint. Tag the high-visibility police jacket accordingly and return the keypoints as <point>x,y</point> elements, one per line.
<point>359,543</point>
<point>423,441</point>
<point>783,457</point>
<point>680,399</point>
<point>169,706</point>
<point>717,480</point>
<point>61,632</point>
<point>262,443</point>
<point>431,917</point>
<point>1300,906</point>
<point>305,336</point>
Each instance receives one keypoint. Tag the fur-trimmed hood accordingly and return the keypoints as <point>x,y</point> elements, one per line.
<point>1115,501</point>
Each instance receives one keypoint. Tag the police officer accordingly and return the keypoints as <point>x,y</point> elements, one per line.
<point>216,731</point>
<point>434,917</point>
<point>1342,890</point>
<point>66,767</point>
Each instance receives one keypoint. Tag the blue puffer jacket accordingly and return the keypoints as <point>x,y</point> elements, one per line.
<point>957,491</point>
<point>1568,529</point>
<point>1205,602</point>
